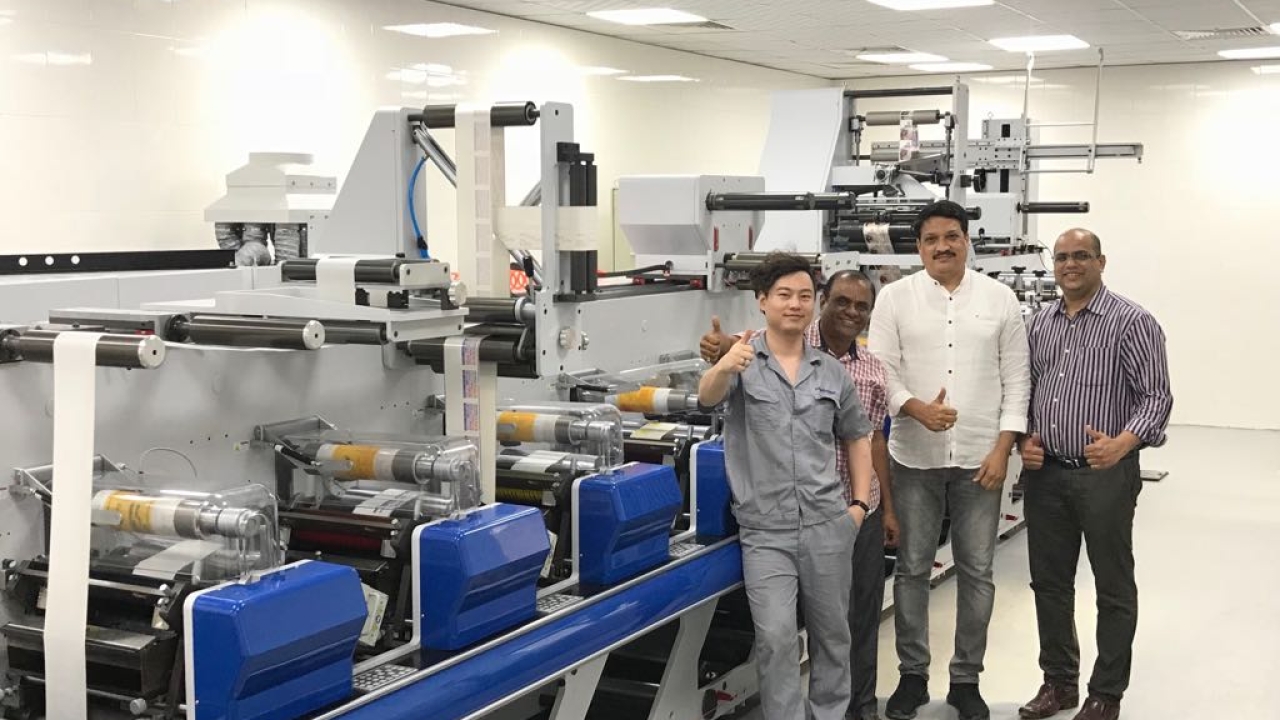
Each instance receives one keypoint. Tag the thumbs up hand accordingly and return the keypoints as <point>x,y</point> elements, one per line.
<point>937,415</point>
<point>1104,451</point>
<point>1032,451</point>
<point>716,343</point>
<point>739,355</point>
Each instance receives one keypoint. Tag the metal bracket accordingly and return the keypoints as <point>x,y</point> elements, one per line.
<point>574,697</point>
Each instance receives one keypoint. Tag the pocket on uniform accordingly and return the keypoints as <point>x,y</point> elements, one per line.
<point>819,412</point>
<point>764,410</point>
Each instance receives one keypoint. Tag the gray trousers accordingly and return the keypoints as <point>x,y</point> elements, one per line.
<point>1064,506</point>
<point>866,601</point>
<point>811,564</point>
<point>920,498</point>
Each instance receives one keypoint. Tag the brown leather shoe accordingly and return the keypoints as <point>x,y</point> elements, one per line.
<point>1051,700</point>
<point>1098,709</point>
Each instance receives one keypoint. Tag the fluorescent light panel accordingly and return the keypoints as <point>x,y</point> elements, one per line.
<point>657,78</point>
<point>951,67</point>
<point>1040,43</point>
<point>1266,70</point>
<point>901,58</point>
<point>439,30</point>
<point>600,70</point>
<point>912,5</point>
<point>648,16</point>
<point>1261,53</point>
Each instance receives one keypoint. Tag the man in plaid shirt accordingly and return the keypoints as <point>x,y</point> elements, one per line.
<point>847,300</point>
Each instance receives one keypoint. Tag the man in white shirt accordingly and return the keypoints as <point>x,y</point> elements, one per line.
<point>955,352</point>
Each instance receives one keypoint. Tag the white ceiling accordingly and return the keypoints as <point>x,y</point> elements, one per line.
<point>820,37</point>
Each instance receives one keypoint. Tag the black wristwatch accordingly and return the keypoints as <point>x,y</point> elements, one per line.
<point>865,507</point>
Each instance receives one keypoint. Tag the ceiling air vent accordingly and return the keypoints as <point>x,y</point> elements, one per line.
<point>1222,33</point>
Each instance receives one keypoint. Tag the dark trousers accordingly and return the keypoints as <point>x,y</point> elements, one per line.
<point>1064,506</point>
<point>866,601</point>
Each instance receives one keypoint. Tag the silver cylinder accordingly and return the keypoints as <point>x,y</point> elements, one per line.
<point>140,352</point>
<point>893,117</point>
<point>254,332</point>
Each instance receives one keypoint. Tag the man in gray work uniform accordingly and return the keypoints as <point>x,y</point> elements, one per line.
<point>786,403</point>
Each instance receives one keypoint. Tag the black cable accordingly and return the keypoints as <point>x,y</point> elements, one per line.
<point>664,267</point>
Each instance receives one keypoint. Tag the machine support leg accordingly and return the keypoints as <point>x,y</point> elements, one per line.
<point>579,687</point>
<point>679,690</point>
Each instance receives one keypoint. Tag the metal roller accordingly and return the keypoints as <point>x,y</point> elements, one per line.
<point>357,461</point>
<point>376,270</point>
<point>139,352</point>
<point>564,463</point>
<point>423,503</point>
<point>745,262</point>
<point>502,310</point>
<point>249,332</point>
<point>1058,208</point>
<point>781,201</point>
<point>492,349</point>
<point>506,114</point>
<point>648,400</point>
<point>516,426</point>
<point>354,332</point>
<point>900,213</point>
<point>128,511</point>
<point>893,117</point>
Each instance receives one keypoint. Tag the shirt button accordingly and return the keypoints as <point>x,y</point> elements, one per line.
<point>1068,352</point>
<point>948,322</point>
<point>948,372</point>
<point>1055,399</point>
<point>1062,374</point>
<point>1053,427</point>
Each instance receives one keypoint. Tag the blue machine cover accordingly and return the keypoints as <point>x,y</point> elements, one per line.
<point>479,574</point>
<point>626,516</point>
<point>278,648</point>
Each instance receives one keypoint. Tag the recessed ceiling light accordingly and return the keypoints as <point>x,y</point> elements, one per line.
<point>901,58</point>
<point>1266,70</point>
<point>1275,28</point>
<point>657,78</point>
<point>909,5</point>
<point>439,30</point>
<point>955,67</point>
<point>648,16</point>
<point>1262,53</point>
<point>1040,43</point>
<point>600,70</point>
<point>55,58</point>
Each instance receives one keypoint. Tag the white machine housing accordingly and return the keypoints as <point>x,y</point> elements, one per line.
<point>275,187</point>
<point>665,217</point>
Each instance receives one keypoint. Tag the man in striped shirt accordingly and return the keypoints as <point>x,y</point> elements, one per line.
<point>848,298</point>
<point>1100,393</point>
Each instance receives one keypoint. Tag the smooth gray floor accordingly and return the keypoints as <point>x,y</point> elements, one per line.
<point>1207,544</point>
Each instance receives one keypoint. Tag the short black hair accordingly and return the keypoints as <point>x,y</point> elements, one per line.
<point>855,275</point>
<point>941,209</point>
<point>777,265</point>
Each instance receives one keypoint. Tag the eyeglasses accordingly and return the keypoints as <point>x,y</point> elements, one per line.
<point>1080,256</point>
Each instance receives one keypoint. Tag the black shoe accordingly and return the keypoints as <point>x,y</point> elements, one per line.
<point>965,698</point>
<point>912,692</point>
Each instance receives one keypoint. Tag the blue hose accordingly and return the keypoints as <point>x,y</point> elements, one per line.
<point>413,214</point>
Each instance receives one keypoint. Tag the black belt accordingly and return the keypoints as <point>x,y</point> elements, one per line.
<point>1069,463</point>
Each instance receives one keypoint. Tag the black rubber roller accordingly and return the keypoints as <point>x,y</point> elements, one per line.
<point>506,114</point>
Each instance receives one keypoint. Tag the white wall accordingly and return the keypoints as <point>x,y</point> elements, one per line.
<point>1186,232</point>
<point>119,118</point>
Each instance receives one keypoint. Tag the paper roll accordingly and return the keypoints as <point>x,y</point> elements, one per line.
<point>74,396</point>
<point>336,279</point>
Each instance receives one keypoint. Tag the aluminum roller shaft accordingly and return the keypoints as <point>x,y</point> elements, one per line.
<point>281,333</point>
<point>502,310</point>
<point>647,400</point>
<point>781,201</point>
<point>507,114</point>
<point>516,426</point>
<point>372,271</point>
<point>894,117</point>
<point>139,352</point>
<point>389,464</point>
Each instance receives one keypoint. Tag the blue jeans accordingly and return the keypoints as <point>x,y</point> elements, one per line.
<point>921,497</point>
